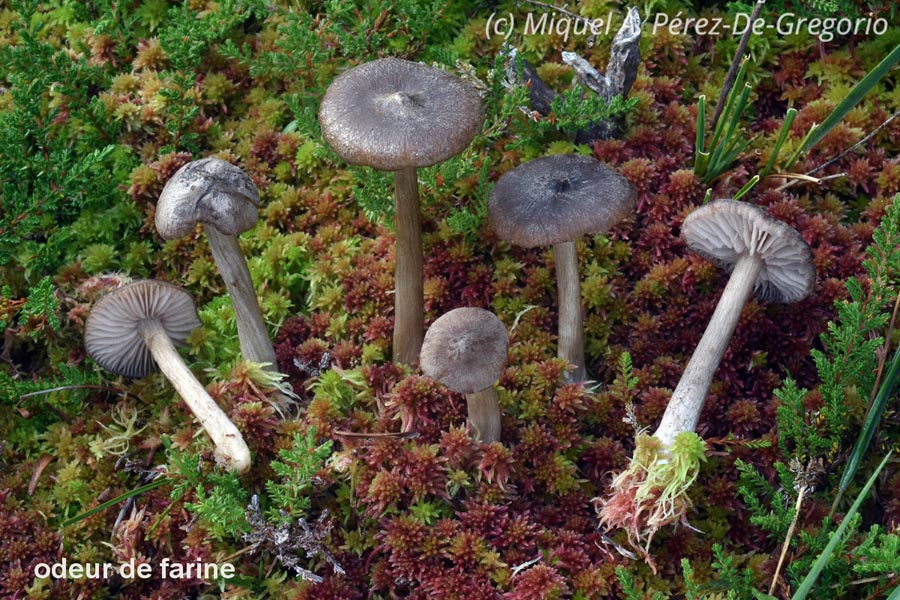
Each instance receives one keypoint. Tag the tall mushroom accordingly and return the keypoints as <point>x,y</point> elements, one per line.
<point>554,200</point>
<point>133,329</point>
<point>762,254</point>
<point>395,115</point>
<point>465,349</point>
<point>222,197</point>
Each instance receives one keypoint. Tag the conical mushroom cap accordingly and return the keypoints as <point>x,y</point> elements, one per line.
<point>724,230</point>
<point>559,198</point>
<point>392,114</point>
<point>209,191</point>
<point>112,332</point>
<point>465,349</point>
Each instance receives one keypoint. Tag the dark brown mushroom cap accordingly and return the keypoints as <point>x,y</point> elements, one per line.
<point>558,198</point>
<point>111,333</point>
<point>724,230</point>
<point>209,191</point>
<point>465,349</point>
<point>392,114</point>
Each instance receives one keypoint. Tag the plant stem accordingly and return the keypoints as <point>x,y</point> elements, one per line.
<point>409,304</point>
<point>571,325</point>
<point>735,64</point>
<point>683,411</point>
<point>254,338</point>
<point>787,539</point>
<point>230,446</point>
<point>484,414</point>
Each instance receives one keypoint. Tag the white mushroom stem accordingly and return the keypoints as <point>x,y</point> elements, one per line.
<point>409,303</point>
<point>484,414</point>
<point>231,449</point>
<point>571,324</point>
<point>254,338</point>
<point>683,411</point>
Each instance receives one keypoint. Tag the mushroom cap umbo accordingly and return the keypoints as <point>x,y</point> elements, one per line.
<point>465,349</point>
<point>209,191</point>
<point>724,230</point>
<point>112,334</point>
<point>392,114</point>
<point>559,198</point>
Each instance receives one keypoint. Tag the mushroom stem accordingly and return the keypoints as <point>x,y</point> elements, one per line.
<point>254,338</point>
<point>484,414</point>
<point>409,304</point>
<point>230,446</point>
<point>683,411</point>
<point>571,325</point>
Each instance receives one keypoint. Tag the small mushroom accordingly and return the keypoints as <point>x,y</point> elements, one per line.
<point>465,349</point>
<point>133,329</point>
<point>396,115</point>
<point>222,197</point>
<point>762,253</point>
<point>554,200</point>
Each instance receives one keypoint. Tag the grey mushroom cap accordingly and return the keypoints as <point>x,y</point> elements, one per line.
<point>209,191</point>
<point>112,332</point>
<point>724,230</point>
<point>465,349</point>
<point>393,114</point>
<point>559,198</point>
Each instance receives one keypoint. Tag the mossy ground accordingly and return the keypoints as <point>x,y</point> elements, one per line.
<point>437,515</point>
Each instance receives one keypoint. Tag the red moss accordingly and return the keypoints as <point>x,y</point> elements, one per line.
<point>539,582</point>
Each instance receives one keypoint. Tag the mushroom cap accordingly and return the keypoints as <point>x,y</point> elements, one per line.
<point>724,230</point>
<point>465,349</point>
<point>392,114</point>
<point>112,332</point>
<point>210,191</point>
<point>559,198</point>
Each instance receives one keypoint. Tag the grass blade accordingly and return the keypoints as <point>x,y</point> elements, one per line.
<point>729,105</point>
<point>700,140</point>
<point>810,580</point>
<point>872,419</point>
<point>895,595</point>
<point>747,187</point>
<point>782,136</point>
<point>158,482</point>
<point>856,94</point>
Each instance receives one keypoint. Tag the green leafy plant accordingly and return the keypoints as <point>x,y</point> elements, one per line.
<point>299,464</point>
<point>809,581</point>
<point>848,363</point>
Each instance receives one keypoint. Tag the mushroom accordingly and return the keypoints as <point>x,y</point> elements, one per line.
<point>133,329</point>
<point>222,197</point>
<point>396,115</point>
<point>763,254</point>
<point>465,349</point>
<point>555,200</point>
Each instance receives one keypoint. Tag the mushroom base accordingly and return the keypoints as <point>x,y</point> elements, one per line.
<point>684,408</point>
<point>254,338</point>
<point>571,322</point>
<point>231,449</point>
<point>484,414</point>
<point>652,492</point>
<point>409,294</point>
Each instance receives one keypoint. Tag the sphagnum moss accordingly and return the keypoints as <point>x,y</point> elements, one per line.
<point>224,80</point>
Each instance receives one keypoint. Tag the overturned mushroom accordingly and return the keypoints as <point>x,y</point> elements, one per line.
<point>396,115</point>
<point>465,349</point>
<point>222,197</point>
<point>555,200</point>
<point>762,254</point>
<point>131,330</point>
